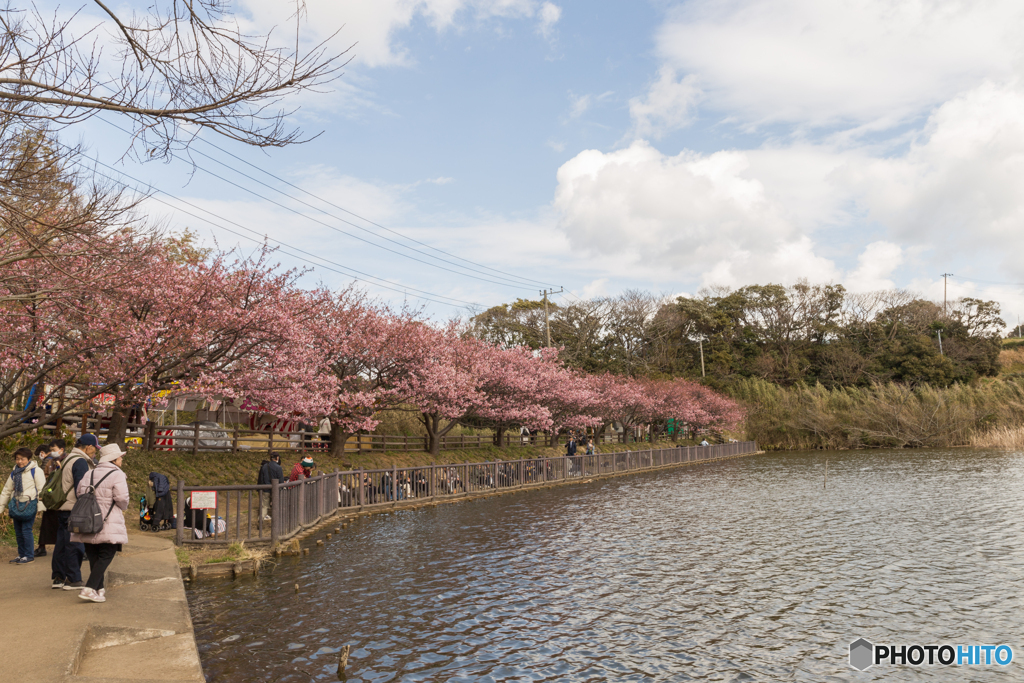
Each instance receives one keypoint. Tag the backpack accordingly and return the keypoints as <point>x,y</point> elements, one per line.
<point>86,516</point>
<point>53,495</point>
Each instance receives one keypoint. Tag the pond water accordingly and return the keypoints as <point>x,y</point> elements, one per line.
<point>742,570</point>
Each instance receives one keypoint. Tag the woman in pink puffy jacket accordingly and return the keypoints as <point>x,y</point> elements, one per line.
<point>111,486</point>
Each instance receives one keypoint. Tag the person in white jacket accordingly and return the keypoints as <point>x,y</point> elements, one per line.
<point>20,497</point>
<point>111,489</point>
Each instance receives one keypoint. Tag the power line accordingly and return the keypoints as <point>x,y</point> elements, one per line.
<point>366,277</point>
<point>507,282</point>
<point>343,232</point>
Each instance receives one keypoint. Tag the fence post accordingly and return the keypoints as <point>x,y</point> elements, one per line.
<point>270,440</point>
<point>234,441</point>
<point>195,438</point>
<point>179,525</point>
<point>320,502</point>
<point>275,512</point>
<point>302,502</point>
<point>150,434</point>
<point>394,483</point>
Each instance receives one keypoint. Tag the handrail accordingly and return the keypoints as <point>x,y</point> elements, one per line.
<point>298,505</point>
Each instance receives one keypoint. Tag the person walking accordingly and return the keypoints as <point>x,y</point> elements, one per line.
<point>20,499</point>
<point>269,471</point>
<point>110,486</point>
<point>66,563</point>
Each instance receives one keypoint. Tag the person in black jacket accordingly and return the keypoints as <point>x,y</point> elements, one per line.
<point>269,471</point>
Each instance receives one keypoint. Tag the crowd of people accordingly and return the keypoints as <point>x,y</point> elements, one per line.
<point>52,481</point>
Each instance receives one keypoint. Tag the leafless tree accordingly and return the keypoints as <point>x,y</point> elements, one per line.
<point>61,230</point>
<point>632,328</point>
<point>183,67</point>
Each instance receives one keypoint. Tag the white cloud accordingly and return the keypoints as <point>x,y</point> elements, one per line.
<point>687,212</point>
<point>594,288</point>
<point>548,16</point>
<point>783,263</point>
<point>875,267</point>
<point>578,105</point>
<point>953,198</point>
<point>822,62</point>
<point>374,26</point>
<point>960,185</point>
<point>668,105</point>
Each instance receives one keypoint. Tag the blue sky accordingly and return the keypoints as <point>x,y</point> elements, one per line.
<point>661,145</point>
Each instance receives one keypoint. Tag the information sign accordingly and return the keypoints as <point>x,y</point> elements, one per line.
<point>204,500</point>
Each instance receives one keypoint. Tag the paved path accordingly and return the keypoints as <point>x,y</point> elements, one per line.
<point>141,633</point>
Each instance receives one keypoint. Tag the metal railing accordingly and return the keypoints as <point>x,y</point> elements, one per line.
<point>298,505</point>
<point>195,437</point>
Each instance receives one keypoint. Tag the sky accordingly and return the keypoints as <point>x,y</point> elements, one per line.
<point>600,146</point>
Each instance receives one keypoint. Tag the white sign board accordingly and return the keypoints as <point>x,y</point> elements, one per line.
<point>204,500</point>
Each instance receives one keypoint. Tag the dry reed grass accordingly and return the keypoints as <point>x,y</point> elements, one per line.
<point>1011,360</point>
<point>882,415</point>
<point>234,552</point>
<point>1002,438</point>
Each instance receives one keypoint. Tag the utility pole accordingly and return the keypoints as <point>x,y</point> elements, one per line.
<point>701,342</point>
<point>547,323</point>
<point>944,276</point>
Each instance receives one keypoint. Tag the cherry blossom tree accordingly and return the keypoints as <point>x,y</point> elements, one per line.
<point>570,397</point>
<point>365,356</point>
<point>218,327</point>
<point>624,400</point>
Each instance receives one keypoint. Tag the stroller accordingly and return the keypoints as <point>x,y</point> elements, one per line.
<point>147,515</point>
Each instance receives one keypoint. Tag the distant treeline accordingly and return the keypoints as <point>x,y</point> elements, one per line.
<point>816,366</point>
<point>804,334</point>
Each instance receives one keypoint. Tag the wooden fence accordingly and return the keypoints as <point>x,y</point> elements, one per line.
<point>194,438</point>
<point>295,506</point>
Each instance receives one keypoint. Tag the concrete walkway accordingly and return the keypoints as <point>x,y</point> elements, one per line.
<point>143,631</point>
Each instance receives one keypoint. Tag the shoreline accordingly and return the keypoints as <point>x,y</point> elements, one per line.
<point>294,546</point>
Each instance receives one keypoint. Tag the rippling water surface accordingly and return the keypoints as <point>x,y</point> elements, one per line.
<point>743,570</point>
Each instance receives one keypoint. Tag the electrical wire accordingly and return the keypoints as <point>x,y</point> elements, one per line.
<point>366,277</point>
<point>507,282</point>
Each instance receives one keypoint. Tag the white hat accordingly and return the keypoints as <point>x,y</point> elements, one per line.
<point>110,453</point>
